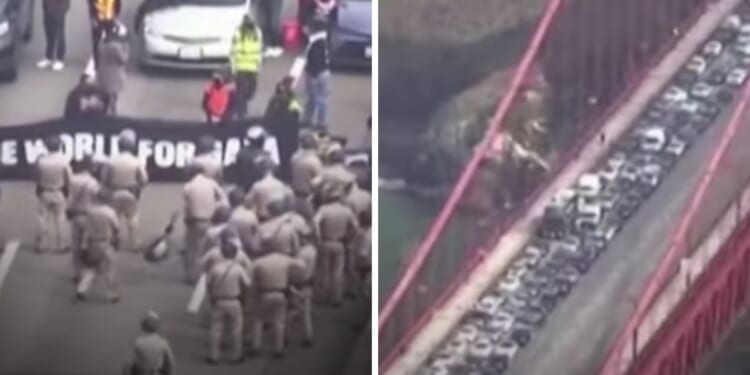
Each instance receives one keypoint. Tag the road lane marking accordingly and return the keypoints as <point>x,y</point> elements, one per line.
<point>199,293</point>
<point>11,249</point>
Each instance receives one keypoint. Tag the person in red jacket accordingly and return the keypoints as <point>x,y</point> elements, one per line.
<point>217,99</point>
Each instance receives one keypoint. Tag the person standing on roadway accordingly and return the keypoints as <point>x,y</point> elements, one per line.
<point>246,169</point>
<point>83,190</point>
<point>152,354</point>
<point>226,285</point>
<point>283,121</point>
<point>125,176</point>
<point>317,75</point>
<point>100,242</point>
<point>54,13</point>
<point>218,97</point>
<point>246,58</point>
<point>103,14</point>
<point>336,226</point>
<point>305,167</point>
<point>271,280</point>
<point>206,159</point>
<point>266,190</point>
<point>202,197</point>
<point>113,59</point>
<point>269,12</point>
<point>53,176</point>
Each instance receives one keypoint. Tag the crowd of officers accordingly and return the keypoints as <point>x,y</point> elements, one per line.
<point>263,246</point>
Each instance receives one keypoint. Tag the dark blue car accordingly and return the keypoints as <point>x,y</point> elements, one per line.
<point>15,29</point>
<point>351,40</point>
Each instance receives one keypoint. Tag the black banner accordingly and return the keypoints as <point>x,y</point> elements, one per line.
<point>167,146</point>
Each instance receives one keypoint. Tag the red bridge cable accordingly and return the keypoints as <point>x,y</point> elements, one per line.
<point>660,276</point>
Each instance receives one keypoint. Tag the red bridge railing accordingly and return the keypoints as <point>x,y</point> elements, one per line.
<point>694,324</point>
<point>584,58</point>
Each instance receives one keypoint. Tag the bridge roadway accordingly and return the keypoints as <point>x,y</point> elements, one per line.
<point>42,331</point>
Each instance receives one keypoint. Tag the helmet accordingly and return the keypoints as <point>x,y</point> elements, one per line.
<point>255,133</point>
<point>307,139</point>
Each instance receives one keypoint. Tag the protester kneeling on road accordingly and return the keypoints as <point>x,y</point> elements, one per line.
<point>87,99</point>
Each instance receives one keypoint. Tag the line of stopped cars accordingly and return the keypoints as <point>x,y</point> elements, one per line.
<point>580,221</point>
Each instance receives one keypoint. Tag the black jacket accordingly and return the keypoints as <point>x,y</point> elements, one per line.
<point>247,168</point>
<point>318,60</point>
<point>86,100</point>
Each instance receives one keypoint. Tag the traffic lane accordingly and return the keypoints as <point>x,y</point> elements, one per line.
<point>580,332</point>
<point>39,95</point>
<point>44,332</point>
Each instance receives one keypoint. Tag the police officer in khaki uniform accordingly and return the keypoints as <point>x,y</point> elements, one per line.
<point>358,199</point>
<point>83,190</point>
<point>219,222</point>
<point>100,239</point>
<point>214,255</point>
<point>335,177</point>
<point>302,290</point>
<point>271,281</point>
<point>246,221</point>
<point>207,160</point>
<point>53,175</point>
<point>279,233</point>
<point>305,165</point>
<point>202,196</point>
<point>266,190</point>
<point>152,354</point>
<point>226,284</point>
<point>125,176</point>
<point>337,227</point>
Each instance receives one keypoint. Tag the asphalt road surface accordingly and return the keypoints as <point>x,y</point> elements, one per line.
<point>578,335</point>
<point>42,331</point>
<point>39,95</point>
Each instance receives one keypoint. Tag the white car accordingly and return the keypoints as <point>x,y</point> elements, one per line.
<point>488,305</point>
<point>653,139</point>
<point>696,65</point>
<point>713,48</point>
<point>481,348</point>
<point>737,77</point>
<point>676,147</point>
<point>690,106</point>
<point>589,185</point>
<point>702,90</point>
<point>675,95</point>
<point>743,47</point>
<point>190,33</point>
<point>505,348</point>
<point>732,22</point>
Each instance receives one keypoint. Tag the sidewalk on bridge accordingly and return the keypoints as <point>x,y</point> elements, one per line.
<point>445,318</point>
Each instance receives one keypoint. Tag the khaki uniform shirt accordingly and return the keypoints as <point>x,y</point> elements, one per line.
<point>101,224</point>
<point>333,180</point>
<point>202,196</point>
<point>83,188</point>
<point>265,191</point>
<point>306,165</point>
<point>227,279</point>
<point>152,353</point>
<point>308,255</point>
<point>214,256</point>
<point>53,171</point>
<point>271,272</point>
<point>210,164</point>
<point>335,222</point>
<point>280,235</point>
<point>125,171</point>
<point>359,200</point>
<point>246,222</point>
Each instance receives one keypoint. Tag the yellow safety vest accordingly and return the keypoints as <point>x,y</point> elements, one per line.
<point>105,10</point>
<point>247,52</point>
<point>294,105</point>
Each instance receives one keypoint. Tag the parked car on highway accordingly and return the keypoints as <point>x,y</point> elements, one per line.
<point>16,27</point>
<point>702,90</point>
<point>351,38</point>
<point>713,48</point>
<point>697,65</point>
<point>737,77</point>
<point>653,139</point>
<point>189,34</point>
